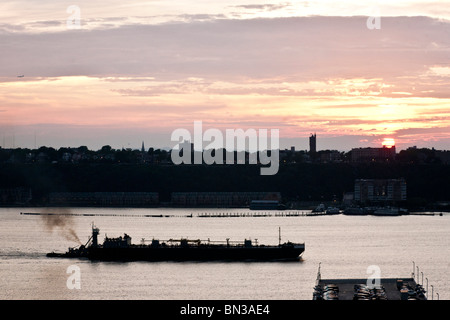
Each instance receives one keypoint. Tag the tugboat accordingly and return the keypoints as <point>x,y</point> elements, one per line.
<point>121,249</point>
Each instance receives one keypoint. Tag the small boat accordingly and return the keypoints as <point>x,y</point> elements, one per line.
<point>386,211</point>
<point>332,210</point>
<point>319,208</point>
<point>354,211</point>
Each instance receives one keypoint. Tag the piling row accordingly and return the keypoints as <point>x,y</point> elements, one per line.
<point>200,215</point>
<point>257,214</point>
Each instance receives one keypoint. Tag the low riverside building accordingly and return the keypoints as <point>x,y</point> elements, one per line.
<point>15,196</point>
<point>220,199</point>
<point>106,199</point>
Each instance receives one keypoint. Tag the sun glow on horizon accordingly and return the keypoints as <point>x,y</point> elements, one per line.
<point>388,142</point>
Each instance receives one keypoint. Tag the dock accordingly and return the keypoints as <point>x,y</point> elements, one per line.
<point>373,288</point>
<point>259,214</point>
<point>105,215</point>
<point>243,214</point>
<point>358,289</point>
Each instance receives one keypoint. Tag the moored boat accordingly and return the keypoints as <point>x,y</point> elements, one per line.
<point>354,211</point>
<point>319,208</point>
<point>332,210</point>
<point>386,211</point>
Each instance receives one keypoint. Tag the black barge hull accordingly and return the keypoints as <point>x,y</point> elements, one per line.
<point>195,254</point>
<point>186,254</point>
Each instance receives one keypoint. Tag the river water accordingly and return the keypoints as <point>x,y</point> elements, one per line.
<point>345,246</point>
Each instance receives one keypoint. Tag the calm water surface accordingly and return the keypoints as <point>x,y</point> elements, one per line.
<point>344,245</point>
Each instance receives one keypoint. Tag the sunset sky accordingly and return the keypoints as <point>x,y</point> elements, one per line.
<point>137,70</point>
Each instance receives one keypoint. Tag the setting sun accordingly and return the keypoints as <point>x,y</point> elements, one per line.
<point>388,142</point>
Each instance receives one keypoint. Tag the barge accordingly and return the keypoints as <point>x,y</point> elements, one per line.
<point>121,249</point>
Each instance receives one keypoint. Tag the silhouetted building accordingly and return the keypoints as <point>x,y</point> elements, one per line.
<point>312,143</point>
<point>443,156</point>
<point>373,154</point>
<point>107,199</point>
<point>220,199</point>
<point>15,196</point>
<point>348,198</point>
<point>330,156</point>
<point>380,190</point>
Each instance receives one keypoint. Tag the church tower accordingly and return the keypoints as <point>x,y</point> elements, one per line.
<point>312,143</point>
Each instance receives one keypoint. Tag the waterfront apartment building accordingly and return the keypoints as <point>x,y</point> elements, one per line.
<point>380,190</point>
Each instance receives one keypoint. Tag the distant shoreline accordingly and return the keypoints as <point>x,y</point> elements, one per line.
<point>267,212</point>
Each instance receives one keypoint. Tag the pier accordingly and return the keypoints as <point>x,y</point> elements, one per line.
<point>105,215</point>
<point>244,214</point>
<point>374,288</point>
<point>258,214</point>
<point>357,289</point>
<point>241,214</point>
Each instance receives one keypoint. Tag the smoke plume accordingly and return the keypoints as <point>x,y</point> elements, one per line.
<point>62,223</point>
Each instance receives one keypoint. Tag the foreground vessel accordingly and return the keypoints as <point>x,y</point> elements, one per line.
<point>121,249</point>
